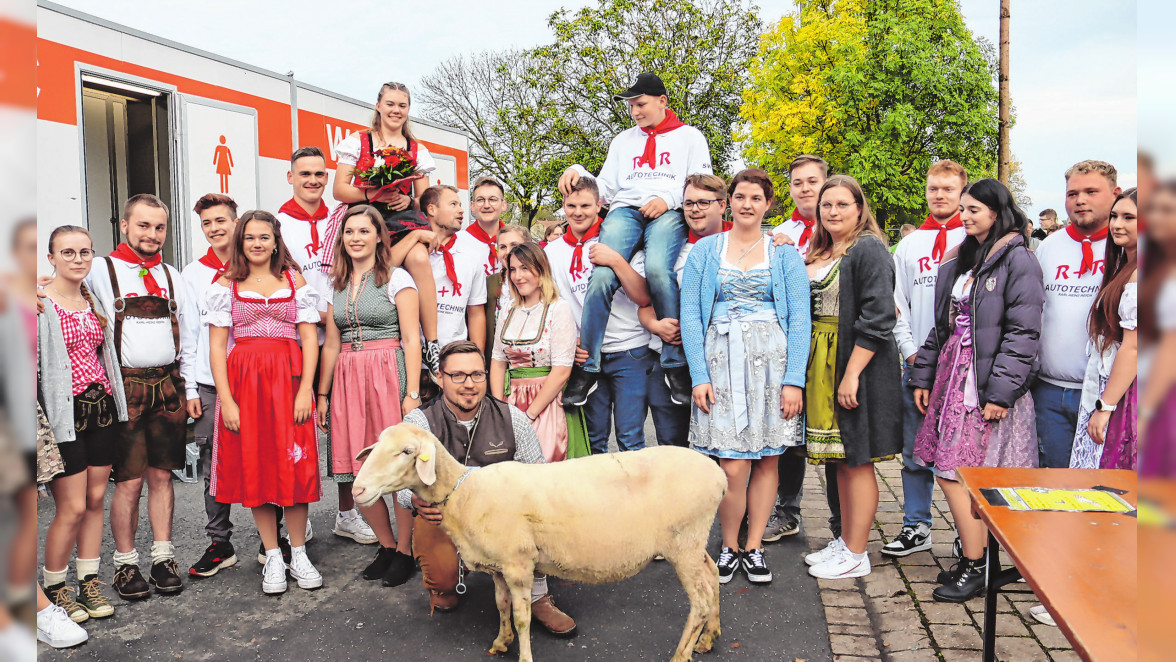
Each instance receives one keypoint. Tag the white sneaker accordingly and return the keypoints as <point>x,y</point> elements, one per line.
<point>309,533</point>
<point>842,566</point>
<point>273,575</point>
<point>17,643</point>
<point>354,527</point>
<point>57,629</point>
<point>835,545</point>
<point>303,570</point>
<point>1042,615</point>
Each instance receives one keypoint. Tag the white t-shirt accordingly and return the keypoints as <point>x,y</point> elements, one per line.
<point>680,153</point>
<point>198,278</point>
<point>453,301</point>
<point>488,267</point>
<point>623,331</point>
<point>149,343</point>
<point>347,152</point>
<point>400,280</point>
<point>794,229</point>
<point>915,273</point>
<point>1068,298</point>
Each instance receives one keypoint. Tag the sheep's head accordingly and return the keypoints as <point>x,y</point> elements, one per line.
<point>404,457</point>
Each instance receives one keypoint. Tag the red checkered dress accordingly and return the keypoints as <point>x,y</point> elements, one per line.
<point>83,335</point>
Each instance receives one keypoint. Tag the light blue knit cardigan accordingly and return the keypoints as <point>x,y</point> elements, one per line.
<point>790,291</point>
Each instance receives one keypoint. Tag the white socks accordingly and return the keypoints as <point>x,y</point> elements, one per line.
<point>54,577</point>
<point>126,558</point>
<point>538,588</point>
<point>161,550</point>
<point>86,567</point>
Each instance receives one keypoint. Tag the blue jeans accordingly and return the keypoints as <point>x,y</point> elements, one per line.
<point>918,481</point>
<point>625,230</point>
<point>1057,419</point>
<point>671,421</point>
<point>619,397</point>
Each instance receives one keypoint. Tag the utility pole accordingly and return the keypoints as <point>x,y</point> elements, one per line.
<point>1002,156</point>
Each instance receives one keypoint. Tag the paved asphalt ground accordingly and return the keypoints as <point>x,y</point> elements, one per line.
<point>226,617</point>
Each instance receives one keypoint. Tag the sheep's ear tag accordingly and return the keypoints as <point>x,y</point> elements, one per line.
<point>426,465</point>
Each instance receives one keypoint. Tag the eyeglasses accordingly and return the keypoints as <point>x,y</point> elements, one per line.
<point>841,206</point>
<point>487,201</point>
<point>478,376</point>
<point>69,254</point>
<point>701,204</point>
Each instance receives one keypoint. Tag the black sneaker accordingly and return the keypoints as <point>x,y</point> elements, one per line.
<point>283,544</point>
<point>679,383</point>
<point>971,582</point>
<point>400,571</point>
<point>220,554</point>
<point>780,526</point>
<point>910,540</point>
<point>129,583</point>
<point>728,563</point>
<point>580,385</point>
<point>949,576</point>
<point>165,577</point>
<point>755,567</point>
<point>379,565</point>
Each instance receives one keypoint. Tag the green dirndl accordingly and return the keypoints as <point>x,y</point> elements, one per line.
<point>578,445</point>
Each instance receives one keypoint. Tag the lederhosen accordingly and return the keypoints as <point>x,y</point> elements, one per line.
<point>156,430</point>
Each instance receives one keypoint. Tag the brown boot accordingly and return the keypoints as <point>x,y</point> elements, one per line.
<point>551,618</point>
<point>442,600</point>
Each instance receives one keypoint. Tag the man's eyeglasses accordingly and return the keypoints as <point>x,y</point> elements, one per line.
<point>487,201</point>
<point>69,254</point>
<point>701,204</point>
<point>461,377</point>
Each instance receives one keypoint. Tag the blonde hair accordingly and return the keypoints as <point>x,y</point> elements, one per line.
<point>1090,165</point>
<point>822,245</point>
<point>531,257</point>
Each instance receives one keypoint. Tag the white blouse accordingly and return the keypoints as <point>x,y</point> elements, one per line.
<point>535,339</point>
<point>348,151</point>
<point>219,303</point>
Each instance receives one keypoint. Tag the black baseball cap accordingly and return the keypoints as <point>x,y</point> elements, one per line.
<point>646,83</point>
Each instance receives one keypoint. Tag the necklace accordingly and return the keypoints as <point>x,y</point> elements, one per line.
<point>68,297</point>
<point>749,249</point>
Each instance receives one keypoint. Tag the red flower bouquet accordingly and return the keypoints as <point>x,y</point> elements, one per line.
<point>390,167</point>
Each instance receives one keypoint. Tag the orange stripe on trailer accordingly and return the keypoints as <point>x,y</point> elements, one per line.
<point>18,81</point>
<point>58,93</point>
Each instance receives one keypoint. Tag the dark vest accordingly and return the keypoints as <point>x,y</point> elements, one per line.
<point>492,439</point>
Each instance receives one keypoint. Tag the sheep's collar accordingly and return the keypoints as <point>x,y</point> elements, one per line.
<point>442,502</point>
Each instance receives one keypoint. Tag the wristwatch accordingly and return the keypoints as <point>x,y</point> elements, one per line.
<point>414,395</point>
<point>1100,405</point>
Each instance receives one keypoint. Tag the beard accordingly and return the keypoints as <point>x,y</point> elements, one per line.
<point>1089,224</point>
<point>144,250</point>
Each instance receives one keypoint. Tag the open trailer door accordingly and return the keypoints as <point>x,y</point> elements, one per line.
<point>218,148</point>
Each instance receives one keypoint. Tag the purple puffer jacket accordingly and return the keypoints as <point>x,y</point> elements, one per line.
<point>1007,297</point>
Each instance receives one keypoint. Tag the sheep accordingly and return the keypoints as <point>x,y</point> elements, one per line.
<point>593,520</point>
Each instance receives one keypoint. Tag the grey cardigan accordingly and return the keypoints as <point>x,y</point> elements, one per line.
<point>55,371</point>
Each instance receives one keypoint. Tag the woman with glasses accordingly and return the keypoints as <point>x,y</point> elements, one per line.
<point>80,388</point>
<point>534,347</point>
<point>371,370</point>
<point>853,391</point>
<point>745,330</point>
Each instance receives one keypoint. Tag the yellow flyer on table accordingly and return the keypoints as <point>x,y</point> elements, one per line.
<point>1044,498</point>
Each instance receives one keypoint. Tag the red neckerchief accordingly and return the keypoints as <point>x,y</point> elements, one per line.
<point>808,228</point>
<point>480,234</point>
<point>941,239</point>
<point>124,253</point>
<point>211,261</point>
<point>578,251</point>
<point>649,156</point>
<point>1087,245</point>
<point>450,269</point>
<point>692,238</point>
<point>295,210</point>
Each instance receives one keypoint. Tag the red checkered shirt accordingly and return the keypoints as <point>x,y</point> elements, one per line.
<point>83,336</point>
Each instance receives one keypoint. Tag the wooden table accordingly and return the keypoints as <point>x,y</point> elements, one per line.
<point>1083,566</point>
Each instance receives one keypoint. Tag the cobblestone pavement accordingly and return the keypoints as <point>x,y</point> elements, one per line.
<point>889,614</point>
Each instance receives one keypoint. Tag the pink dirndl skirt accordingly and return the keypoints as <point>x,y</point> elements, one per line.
<point>552,424</point>
<point>366,394</point>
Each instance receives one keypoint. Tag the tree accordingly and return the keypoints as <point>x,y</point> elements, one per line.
<point>1018,186</point>
<point>699,48</point>
<point>494,97</point>
<point>880,89</point>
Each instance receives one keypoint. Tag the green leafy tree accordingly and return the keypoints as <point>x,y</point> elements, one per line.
<point>699,48</point>
<point>880,89</point>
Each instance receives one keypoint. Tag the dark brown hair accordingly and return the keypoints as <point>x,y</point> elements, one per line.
<point>822,242</point>
<point>304,152</point>
<point>1104,325</point>
<point>460,347</point>
<point>280,260</point>
<point>142,199</point>
<point>70,229</point>
<point>210,200</point>
<point>342,269</point>
<point>432,196</point>
<point>753,176</point>
<point>487,181</point>
<point>585,184</point>
<point>804,159</point>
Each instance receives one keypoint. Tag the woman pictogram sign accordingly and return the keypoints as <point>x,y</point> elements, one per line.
<point>222,158</point>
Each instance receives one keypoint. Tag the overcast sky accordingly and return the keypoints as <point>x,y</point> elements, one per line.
<point>1072,69</point>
